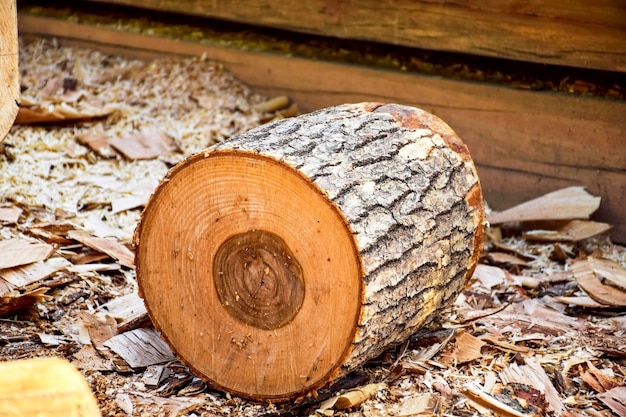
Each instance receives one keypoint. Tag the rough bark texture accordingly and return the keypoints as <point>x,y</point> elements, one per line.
<point>407,191</point>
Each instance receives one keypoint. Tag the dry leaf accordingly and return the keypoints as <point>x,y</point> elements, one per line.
<point>566,204</point>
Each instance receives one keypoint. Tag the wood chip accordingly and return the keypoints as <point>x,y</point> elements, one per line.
<point>615,399</point>
<point>128,310</point>
<point>140,348</point>
<point>17,251</point>
<point>489,402</point>
<point>597,379</point>
<point>505,258</point>
<point>532,374</point>
<point>19,277</point>
<point>149,143</point>
<point>111,247</point>
<point>62,113</point>
<point>581,301</point>
<point>466,348</point>
<point>98,142</point>
<point>14,302</point>
<point>10,214</point>
<point>352,398</point>
<point>573,231</point>
<point>566,204</point>
<point>602,280</point>
<point>419,405</point>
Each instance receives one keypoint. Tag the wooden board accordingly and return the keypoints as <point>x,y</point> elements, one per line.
<point>569,32</point>
<point>9,75</point>
<point>524,143</point>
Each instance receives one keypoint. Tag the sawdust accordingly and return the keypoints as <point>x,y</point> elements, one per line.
<point>510,345</point>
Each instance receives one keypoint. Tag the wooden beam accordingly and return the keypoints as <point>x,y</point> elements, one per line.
<point>524,143</point>
<point>569,32</point>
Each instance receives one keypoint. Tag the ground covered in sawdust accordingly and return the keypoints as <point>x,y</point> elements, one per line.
<point>539,329</point>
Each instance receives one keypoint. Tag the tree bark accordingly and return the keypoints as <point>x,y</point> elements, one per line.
<point>280,260</point>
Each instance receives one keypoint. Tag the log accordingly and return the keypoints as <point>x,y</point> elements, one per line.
<point>9,75</point>
<point>45,387</point>
<point>282,259</point>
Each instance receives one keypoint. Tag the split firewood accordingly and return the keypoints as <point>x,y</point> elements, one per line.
<point>44,387</point>
<point>278,261</point>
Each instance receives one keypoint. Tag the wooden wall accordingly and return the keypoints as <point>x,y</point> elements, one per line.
<point>525,143</point>
<point>579,33</point>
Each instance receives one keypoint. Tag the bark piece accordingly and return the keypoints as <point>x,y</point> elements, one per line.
<point>305,247</point>
<point>50,387</point>
<point>140,348</point>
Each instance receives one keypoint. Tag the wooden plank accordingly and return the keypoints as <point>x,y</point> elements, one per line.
<point>524,143</point>
<point>569,32</point>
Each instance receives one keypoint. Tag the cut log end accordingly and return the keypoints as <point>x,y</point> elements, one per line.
<point>284,258</point>
<point>244,265</point>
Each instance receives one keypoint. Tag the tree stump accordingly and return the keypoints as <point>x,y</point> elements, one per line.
<point>280,260</point>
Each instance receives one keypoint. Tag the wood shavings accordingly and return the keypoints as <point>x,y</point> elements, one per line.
<point>568,203</point>
<point>524,306</point>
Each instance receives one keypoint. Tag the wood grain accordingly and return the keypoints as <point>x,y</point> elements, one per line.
<point>571,32</point>
<point>524,143</point>
<point>9,75</point>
